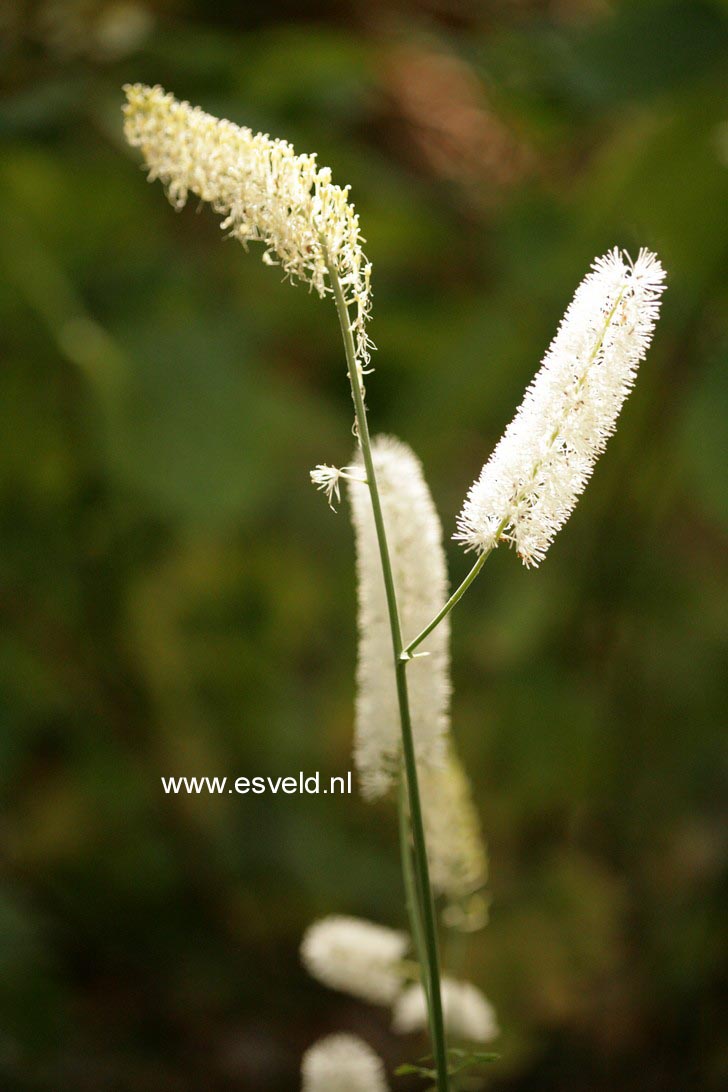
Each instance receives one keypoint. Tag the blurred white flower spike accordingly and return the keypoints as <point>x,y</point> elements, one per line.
<point>419,571</point>
<point>468,1013</point>
<point>532,481</point>
<point>342,1063</point>
<point>263,189</point>
<point>356,957</point>
<point>455,845</point>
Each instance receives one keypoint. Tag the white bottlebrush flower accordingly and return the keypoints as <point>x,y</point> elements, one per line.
<point>468,1013</point>
<point>342,1062</point>
<point>455,846</point>
<point>356,957</point>
<point>266,192</point>
<point>530,485</point>
<point>420,578</point>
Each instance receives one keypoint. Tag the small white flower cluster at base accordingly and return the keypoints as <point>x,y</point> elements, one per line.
<point>356,957</point>
<point>468,1013</point>
<point>342,1063</point>
<point>366,961</point>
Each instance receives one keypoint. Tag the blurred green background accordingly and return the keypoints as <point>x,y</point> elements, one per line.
<point>176,598</point>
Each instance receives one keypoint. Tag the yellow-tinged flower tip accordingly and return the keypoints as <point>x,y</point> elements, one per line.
<point>530,485</point>
<point>263,189</point>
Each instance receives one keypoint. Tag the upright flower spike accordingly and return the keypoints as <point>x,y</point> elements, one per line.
<point>355,957</point>
<point>532,481</point>
<point>263,189</point>
<point>341,1062</point>
<point>420,578</point>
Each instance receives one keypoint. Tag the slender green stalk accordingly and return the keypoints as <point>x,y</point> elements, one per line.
<point>427,909</point>
<point>422,876</point>
<point>454,598</point>
<point>410,886</point>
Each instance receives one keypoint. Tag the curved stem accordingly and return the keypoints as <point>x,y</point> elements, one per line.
<point>454,598</point>
<point>427,910</point>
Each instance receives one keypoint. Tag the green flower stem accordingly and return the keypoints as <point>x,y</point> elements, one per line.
<point>454,598</point>
<point>427,909</point>
<point>410,886</point>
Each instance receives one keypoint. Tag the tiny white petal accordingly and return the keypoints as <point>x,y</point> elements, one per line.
<point>327,479</point>
<point>342,1062</point>
<point>530,485</point>
<point>468,1013</point>
<point>419,569</point>
<point>356,957</point>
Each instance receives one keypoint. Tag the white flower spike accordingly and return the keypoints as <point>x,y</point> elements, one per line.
<point>356,957</point>
<point>468,1013</point>
<point>532,481</point>
<point>419,569</point>
<point>341,1062</point>
<point>265,191</point>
